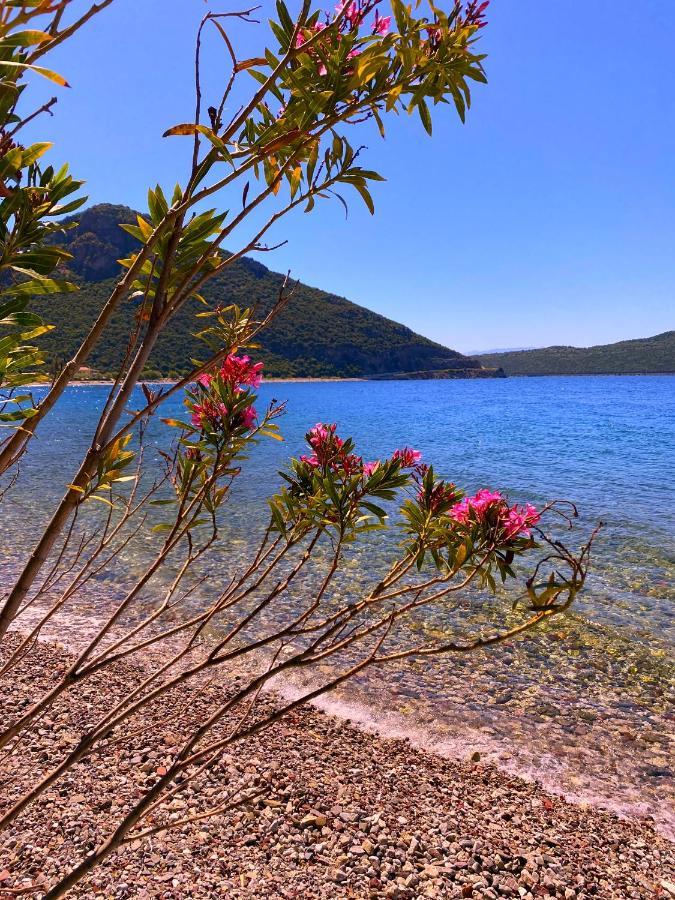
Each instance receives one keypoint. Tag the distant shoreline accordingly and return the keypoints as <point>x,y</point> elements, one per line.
<point>328,380</point>
<point>587,374</point>
<point>108,382</point>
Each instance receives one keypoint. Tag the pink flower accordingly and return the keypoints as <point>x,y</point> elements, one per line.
<point>329,451</point>
<point>323,438</point>
<point>460,511</point>
<point>320,434</point>
<point>484,499</point>
<point>353,14</point>
<point>475,13</point>
<point>239,370</point>
<point>491,507</point>
<point>408,457</point>
<point>371,467</point>
<point>478,505</point>
<point>248,417</point>
<point>350,463</point>
<point>205,379</point>
<point>208,413</point>
<point>519,521</point>
<point>325,444</point>
<point>382,24</point>
<point>435,37</point>
<point>301,40</point>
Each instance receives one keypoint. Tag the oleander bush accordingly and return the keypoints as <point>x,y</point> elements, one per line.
<point>287,147</point>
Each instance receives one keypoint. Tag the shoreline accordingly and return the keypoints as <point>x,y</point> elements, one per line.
<point>590,374</point>
<point>93,382</point>
<point>347,812</point>
<point>330,380</point>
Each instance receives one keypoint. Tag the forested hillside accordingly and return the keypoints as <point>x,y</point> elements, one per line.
<point>318,334</point>
<point>640,356</point>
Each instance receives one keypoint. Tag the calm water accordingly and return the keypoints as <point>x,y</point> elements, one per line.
<point>587,706</point>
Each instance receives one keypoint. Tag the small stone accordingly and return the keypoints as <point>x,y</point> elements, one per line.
<point>311,821</point>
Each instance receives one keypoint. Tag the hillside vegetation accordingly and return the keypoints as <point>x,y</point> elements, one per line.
<point>640,356</point>
<point>317,335</point>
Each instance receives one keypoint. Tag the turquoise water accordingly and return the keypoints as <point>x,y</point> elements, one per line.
<point>587,707</point>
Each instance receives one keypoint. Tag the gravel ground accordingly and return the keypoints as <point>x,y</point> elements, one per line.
<point>337,812</point>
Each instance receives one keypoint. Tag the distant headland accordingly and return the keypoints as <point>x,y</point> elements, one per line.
<point>642,356</point>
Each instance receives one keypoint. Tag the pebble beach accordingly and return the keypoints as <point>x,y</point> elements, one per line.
<point>333,811</point>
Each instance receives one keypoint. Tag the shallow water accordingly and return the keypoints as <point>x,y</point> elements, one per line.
<point>585,706</point>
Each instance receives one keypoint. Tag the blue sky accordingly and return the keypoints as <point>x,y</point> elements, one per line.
<point>548,218</point>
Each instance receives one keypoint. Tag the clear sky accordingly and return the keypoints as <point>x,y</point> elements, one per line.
<point>548,218</point>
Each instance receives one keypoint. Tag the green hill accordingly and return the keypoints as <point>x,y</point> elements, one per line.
<point>641,356</point>
<point>317,335</point>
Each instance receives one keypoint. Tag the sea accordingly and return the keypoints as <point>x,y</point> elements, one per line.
<point>584,705</point>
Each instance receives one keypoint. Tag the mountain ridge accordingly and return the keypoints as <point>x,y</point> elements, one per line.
<point>319,334</point>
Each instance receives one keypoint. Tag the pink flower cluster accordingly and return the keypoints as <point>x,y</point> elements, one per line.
<point>512,521</point>
<point>382,24</point>
<point>473,16</point>
<point>329,451</point>
<point>519,521</point>
<point>238,371</point>
<point>475,13</point>
<point>354,13</point>
<point>409,458</point>
<point>210,414</point>
<point>370,468</point>
<point>477,505</point>
<point>324,442</point>
<point>301,37</point>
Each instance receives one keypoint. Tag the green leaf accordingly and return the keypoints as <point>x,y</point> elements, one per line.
<point>100,499</point>
<point>249,63</point>
<point>25,39</point>
<point>365,193</point>
<point>40,70</point>
<point>189,128</point>
<point>157,205</point>
<point>272,434</point>
<point>425,116</point>
<point>376,510</point>
<point>284,18</point>
<point>41,261</point>
<point>39,287</point>
<point>35,151</point>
